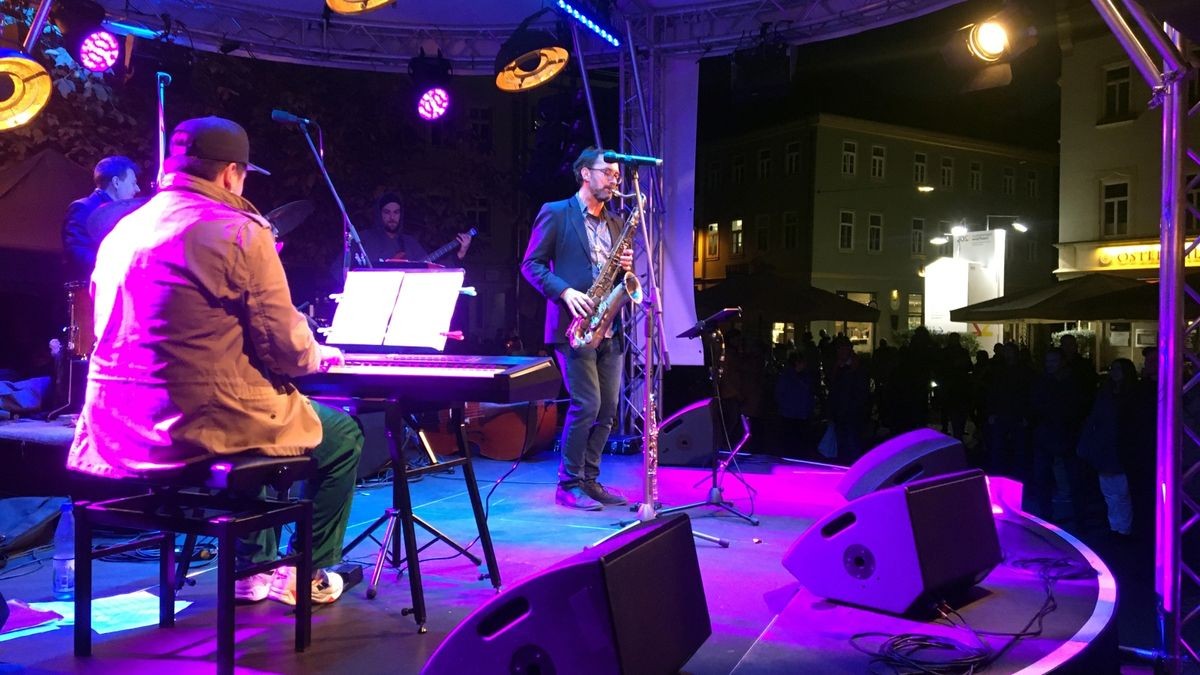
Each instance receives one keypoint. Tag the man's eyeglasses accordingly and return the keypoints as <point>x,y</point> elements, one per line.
<point>612,174</point>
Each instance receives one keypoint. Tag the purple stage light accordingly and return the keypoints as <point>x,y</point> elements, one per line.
<point>99,51</point>
<point>433,103</point>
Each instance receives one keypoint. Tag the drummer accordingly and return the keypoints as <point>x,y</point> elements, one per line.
<point>116,179</point>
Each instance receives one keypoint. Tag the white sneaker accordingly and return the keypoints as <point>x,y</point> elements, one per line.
<point>253,588</point>
<point>326,588</point>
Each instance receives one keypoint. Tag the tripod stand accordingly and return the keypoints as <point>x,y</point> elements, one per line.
<point>714,342</point>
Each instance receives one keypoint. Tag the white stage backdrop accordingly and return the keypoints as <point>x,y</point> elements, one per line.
<point>679,105</point>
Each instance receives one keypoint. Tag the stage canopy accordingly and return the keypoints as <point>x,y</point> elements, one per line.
<point>1098,297</point>
<point>470,32</point>
<point>782,298</point>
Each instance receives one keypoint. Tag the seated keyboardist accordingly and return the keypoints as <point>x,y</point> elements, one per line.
<point>197,340</point>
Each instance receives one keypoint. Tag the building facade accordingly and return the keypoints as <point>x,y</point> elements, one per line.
<point>1110,187</point>
<point>850,206</point>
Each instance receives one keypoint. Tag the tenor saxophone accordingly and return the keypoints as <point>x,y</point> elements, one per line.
<point>606,294</point>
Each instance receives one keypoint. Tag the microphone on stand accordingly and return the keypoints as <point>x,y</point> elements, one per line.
<point>636,160</point>
<point>285,117</point>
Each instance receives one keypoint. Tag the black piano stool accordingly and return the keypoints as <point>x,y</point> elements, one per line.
<point>217,498</point>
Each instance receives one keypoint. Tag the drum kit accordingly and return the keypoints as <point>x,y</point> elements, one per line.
<point>80,332</point>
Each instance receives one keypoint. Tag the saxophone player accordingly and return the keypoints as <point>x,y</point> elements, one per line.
<point>572,240</point>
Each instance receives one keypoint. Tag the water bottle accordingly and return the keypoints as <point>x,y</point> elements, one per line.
<point>64,554</point>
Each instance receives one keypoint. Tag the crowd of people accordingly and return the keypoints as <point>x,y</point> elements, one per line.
<point>1081,442</point>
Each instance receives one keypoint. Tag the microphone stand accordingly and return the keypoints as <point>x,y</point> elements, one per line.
<point>649,508</point>
<point>350,236</point>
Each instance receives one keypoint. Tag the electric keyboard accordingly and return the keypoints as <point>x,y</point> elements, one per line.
<point>437,378</point>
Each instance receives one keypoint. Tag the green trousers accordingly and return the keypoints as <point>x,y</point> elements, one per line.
<point>331,489</point>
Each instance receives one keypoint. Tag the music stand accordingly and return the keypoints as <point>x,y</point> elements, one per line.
<point>714,343</point>
<point>382,310</point>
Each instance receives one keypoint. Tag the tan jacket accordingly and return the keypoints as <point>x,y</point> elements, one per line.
<point>196,339</point>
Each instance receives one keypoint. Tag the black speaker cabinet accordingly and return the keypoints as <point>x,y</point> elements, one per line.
<point>686,438</point>
<point>634,604</point>
<point>921,453</point>
<point>901,549</point>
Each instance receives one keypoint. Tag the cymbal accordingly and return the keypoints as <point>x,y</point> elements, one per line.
<point>105,218</point>
<point>289,216</point>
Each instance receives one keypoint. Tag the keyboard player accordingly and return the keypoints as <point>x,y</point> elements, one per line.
<point>197,341</point>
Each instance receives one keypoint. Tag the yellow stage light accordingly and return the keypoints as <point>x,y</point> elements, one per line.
<point>528,59</point>
<point>988,41</point>
<point>355,6</point>
<point>24,89</point>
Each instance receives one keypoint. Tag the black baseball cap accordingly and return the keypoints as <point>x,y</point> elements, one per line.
<point>214,138</point>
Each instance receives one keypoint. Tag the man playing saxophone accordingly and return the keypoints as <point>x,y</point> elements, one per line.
<point>571,242</point>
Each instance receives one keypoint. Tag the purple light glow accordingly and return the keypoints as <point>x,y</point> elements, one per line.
<point>99,51</point>
<point>433,103</point>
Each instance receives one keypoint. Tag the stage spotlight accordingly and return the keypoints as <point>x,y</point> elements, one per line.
<point>985,50</point>
<point>431,81</point>
<point>355,6</point>
<point>89,43</point>
<point>529,58</point>
<point>24,89</point>
<point>987,41</point>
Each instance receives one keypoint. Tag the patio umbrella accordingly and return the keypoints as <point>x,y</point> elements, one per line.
<point>1083,297</point>
<point>783,297</point>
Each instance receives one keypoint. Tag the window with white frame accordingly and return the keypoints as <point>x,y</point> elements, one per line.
<point>919,168</point>
<point>481,128</point>
<point>712,241</point>
<point>762,232</point>
<point>916,309</point>
<point>916,244</point>
<point>945,250</point>
<point>878,162</point>
<point>846,231</point>
<point>947,174</point>
<point>976,177</point>
<point>1009,181</point>
<point>737,244</point>
<point>1031,183</point>
<point>479,214</point>
<point>792,158</point>
<point>1116,92</point>
<point>764,164</point>
<point>849,158</point>
<point>791,230</point>
<point>1114,218</point>
<point>737,172</point>
<point>875,233</point>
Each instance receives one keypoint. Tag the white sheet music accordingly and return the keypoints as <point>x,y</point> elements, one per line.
<point>396,308</point>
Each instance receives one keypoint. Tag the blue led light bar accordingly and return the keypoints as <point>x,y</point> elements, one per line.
<point>589,23</point>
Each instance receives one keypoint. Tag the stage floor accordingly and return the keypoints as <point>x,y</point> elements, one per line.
<point>757,608</point>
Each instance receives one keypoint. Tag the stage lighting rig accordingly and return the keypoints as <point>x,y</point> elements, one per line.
<point>581,13</point>
<point>431,82</point>
<point>24,83</point>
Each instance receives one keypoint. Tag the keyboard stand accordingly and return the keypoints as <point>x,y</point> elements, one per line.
<point>390,547</point>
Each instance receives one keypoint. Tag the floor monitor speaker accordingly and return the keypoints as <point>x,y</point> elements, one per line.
<point>901,549</point>
<point>921,453</point>
<point>633,604</point>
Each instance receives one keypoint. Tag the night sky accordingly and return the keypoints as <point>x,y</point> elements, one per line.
<point>897,75</point>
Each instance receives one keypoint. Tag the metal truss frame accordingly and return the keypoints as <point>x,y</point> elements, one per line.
<point>1156,51</point>
<point>370,43</point>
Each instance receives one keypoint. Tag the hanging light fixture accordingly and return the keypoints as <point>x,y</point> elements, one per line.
<point>24,89</point>
<point>529,58</point>
<point>82,25</point>
<point>355,6</point>
<point>24,83</point>
<point>431,79</point>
